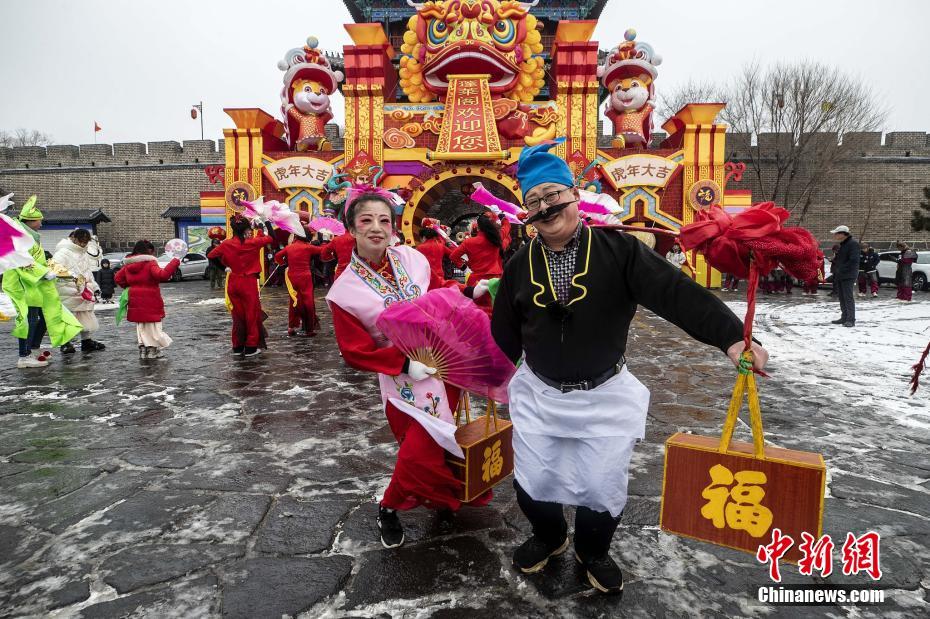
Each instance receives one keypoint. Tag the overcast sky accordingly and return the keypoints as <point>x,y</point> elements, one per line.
<point>136,66</point>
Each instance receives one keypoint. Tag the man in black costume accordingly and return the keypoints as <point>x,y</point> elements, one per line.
<point>566,300</point>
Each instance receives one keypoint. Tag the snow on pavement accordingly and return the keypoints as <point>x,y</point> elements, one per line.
<point>868,365</point>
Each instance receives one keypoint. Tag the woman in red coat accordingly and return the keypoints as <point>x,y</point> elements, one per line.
<point>339,249</point>
<point>241,253</point>
<point>303,309</point>
<point>483,251</point>
<point>435,249</point>
<point>142,275</point>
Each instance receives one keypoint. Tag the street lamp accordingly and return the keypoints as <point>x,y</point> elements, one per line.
<point>197,110</point>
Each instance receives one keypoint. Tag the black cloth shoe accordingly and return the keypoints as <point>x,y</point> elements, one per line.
<point>237,350</point>
<point>534,553</point>
<point>838,321</point>
<point>446,519</point>
<point>603,574</point>
<point>91,346</point>
<point>849,324</point>
<point>67,348</point>
<point>250,351</point>
<point>392,531</point>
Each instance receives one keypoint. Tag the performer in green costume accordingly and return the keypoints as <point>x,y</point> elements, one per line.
<point>32,290</point>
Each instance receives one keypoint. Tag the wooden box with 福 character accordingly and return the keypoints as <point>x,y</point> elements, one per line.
<point>734,493</point>
<point>487,444</point>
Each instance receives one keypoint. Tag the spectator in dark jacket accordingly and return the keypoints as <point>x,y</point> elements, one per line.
<point>216,268</point>
<point>868,270</point>
<point>845,270</point>
<point>105,277</point>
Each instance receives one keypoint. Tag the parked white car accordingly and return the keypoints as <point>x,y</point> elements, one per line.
<point>888,265</point>
<point>115,258</point>
<point>192,265</point>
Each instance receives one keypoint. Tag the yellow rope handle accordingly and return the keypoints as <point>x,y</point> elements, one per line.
<point>745,385</point>
<point>489,412</point>
<point>755,418</point>
<point>464,406</point>
<point>736,401</point>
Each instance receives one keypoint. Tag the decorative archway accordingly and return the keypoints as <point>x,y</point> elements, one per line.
<point>427,192</point>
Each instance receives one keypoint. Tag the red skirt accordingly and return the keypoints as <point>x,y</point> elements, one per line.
<point>304,314</point>
<point>421,475</point>
<point>247,315</point>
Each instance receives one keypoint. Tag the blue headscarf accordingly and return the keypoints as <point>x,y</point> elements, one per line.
<point>537,165</point>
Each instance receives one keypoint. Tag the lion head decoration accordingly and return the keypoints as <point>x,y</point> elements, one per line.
<point>629,74</point>
<point>448,37</point>
<point>309,80</point>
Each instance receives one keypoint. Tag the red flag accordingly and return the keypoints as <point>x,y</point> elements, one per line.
<point>97,127</point>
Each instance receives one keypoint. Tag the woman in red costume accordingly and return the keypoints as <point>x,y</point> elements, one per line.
<point>339,249</point>
<point>241,254</point>
<point>435,249</point>
<point>420,406</point>
<point>484,252</point>
<point>302,310</point>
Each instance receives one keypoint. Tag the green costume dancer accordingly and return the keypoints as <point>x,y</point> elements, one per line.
<point>32,290</point>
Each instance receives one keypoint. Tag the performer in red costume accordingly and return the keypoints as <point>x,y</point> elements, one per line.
<point>339,249</point>
<point>302,310</point>
<point>241,253</point>
<point>484,250</point>
<point>485,253</point>
<point>420,406</point>
<point>435,249</point>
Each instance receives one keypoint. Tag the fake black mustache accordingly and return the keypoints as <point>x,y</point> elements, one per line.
<point>550,212</point>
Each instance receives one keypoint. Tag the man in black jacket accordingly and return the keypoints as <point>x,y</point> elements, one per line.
<point>565,303</point>
<point>845,268</point>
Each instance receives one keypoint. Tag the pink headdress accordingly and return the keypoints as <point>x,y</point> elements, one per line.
<point>357,190</point>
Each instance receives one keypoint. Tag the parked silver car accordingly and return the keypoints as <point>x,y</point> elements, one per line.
<point>888,265</point>
<point>192,265</point>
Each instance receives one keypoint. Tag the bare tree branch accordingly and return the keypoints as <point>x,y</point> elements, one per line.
<point>798,113</point>
<point>690,92</point>
<point>24,137</point>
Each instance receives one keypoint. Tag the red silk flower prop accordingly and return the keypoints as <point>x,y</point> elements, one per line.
<point>918,369</point>
<point>751,244</point>
<point>447,331</point>
<point>726,241</point>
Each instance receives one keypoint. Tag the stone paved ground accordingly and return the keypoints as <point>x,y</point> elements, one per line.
<point>199,486</point>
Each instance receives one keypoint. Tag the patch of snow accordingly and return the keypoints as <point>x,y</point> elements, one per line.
<point>867,366</point>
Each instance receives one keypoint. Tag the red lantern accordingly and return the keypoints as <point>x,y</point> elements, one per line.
<point>217,232</point>
<point>194,113</point>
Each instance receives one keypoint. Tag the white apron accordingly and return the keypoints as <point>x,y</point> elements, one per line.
<point>365,294</point>
<point>574,448</point>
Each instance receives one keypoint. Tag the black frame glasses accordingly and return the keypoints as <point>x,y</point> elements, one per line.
<point>549,198</point>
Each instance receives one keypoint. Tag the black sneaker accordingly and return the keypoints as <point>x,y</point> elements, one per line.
<point>534,553</point>
<point>837,322</point>
<point>849,324</point>
<point>392,531</point>
<point>446,519</point>
<point>603,574</point>
<point>237,350</point>
<point>250,351</point>
<point>67,348</point>
<point>91,346</point>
